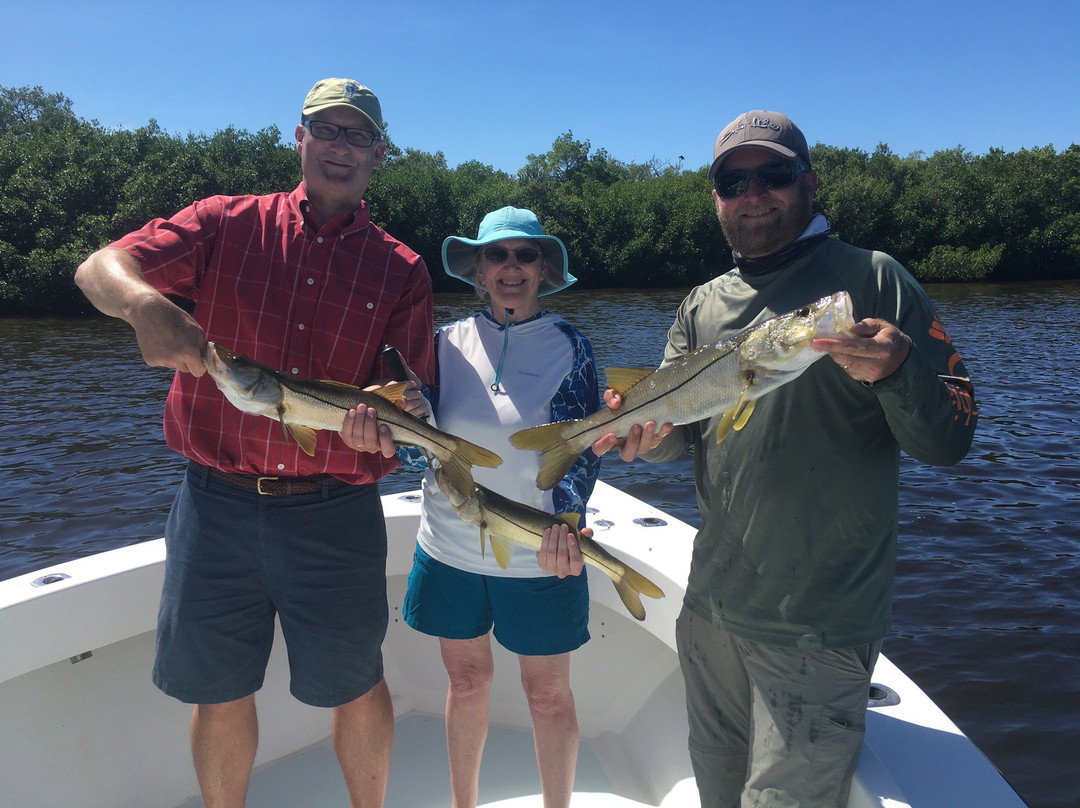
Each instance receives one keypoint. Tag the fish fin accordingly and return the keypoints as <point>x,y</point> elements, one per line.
<point>457,467</point>
<point>457,473</point>
<point>642,584</point>
<point>304,435</point>
<point>630,598</point>
<point>735,418</point>
<point>622,380</point>
<point>393,392</point>
<point>476,455</point>
<point>631,586</point>
<point>502,549</point>
<point>482,542</point>
<point>745,411</point>
<point>342,385</point>
<point>555,456</point>
<point>726,423</point>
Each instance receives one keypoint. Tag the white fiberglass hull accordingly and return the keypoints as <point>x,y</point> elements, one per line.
<point>82,725</point>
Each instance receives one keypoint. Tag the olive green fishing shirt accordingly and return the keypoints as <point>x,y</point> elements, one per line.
<point>799,509</point>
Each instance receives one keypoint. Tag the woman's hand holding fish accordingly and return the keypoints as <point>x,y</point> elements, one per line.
<point>414,401</point>
<point>559,553</point>
<point>642,438</point>
<point>874,351</point>
<point>362,431</point>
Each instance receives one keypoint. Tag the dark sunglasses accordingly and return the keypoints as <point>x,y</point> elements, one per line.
<point>324,130</point>
<point>524,255</point>
<point>780,174</point>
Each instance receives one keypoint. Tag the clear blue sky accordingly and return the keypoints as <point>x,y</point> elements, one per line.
<point>498,81</point>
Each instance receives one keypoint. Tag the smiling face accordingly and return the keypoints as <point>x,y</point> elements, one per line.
<point>762,222</point>
<point>510,283</point>
<point>336,175</point>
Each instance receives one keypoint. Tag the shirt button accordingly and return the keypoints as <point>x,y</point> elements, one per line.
<point>281,467</point>
<point>371,305</point>
<point>319,239</point>
<point>310,281</point>
<point>296,371</point>
<point>301,326</point>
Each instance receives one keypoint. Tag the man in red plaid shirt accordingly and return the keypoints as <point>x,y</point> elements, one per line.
<point>305,282</point>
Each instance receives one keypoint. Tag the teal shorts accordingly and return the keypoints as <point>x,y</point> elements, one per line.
<point>531,616</point>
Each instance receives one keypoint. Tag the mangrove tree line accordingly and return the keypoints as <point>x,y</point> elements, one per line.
<point>69,186</point>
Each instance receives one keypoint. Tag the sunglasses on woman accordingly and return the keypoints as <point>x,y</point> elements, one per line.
<point>770,176</point>
<point>524,255</point>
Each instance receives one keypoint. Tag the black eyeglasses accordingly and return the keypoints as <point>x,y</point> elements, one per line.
<point>780,174</point>
<point>524,255</point>
<point>324,130</point>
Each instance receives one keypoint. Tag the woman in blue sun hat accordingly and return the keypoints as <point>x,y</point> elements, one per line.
<point>509,366</point>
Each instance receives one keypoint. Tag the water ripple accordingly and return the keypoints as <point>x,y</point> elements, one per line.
<point>985,599</point>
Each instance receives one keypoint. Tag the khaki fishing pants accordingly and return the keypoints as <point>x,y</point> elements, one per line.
<point>772,726</point>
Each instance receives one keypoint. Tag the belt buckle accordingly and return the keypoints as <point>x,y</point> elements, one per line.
<point>259,485</point>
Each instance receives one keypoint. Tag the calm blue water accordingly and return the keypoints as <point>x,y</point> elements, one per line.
<point>987,592</point>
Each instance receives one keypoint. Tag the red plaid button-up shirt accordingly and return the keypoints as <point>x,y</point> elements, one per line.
<point>318,304</point>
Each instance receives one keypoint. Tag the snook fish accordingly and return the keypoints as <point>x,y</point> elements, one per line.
<point>725,378</point>
<point>304,406</point>
<point>504,521</point>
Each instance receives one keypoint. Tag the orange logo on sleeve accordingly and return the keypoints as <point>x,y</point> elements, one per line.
<point>960,389</point>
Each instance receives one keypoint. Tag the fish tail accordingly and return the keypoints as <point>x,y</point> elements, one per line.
<point>642,584</point>
<point>556,457</point>
<point>457,472</point>
<point>631,585</point>
<point>476,455</point>
<point>457,462</point>
<point>630,598</point>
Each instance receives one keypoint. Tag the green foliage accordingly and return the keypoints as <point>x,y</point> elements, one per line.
<point>68,186</point>
<point>412,194</point>
<point>947,264</point>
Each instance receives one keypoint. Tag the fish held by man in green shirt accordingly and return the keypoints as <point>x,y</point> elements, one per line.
<point>724,378</point>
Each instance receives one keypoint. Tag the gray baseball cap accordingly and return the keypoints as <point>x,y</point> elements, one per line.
<point>767,130</point>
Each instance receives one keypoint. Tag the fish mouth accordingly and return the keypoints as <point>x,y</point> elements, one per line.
<point>217,359</point>
<point>842,313</point>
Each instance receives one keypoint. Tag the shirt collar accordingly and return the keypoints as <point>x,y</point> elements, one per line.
<point>343,225</point>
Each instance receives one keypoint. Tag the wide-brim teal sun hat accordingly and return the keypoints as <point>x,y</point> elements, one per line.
<point>459,253</point>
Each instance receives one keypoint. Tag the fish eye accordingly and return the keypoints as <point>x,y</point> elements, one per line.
<point>803,312</point>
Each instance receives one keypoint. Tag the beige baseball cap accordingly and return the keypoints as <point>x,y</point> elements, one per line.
<point>344,93</point>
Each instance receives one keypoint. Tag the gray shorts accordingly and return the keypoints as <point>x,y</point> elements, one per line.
<point>236,560</point>
<point>772,726</point>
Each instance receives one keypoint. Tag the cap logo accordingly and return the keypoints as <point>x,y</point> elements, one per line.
<point>754,123</point>
<point>351,89</point>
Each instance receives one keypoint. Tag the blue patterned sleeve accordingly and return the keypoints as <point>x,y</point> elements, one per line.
<point>577,397</point>
<point>412,457</point>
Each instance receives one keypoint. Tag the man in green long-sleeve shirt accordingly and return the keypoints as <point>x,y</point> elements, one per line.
<point>790,587</point>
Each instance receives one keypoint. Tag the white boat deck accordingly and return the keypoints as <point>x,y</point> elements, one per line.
<point>419,775</point>
<point>81,724</point>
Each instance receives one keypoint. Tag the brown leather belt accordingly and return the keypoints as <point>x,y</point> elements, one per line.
<point>278,486</point>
